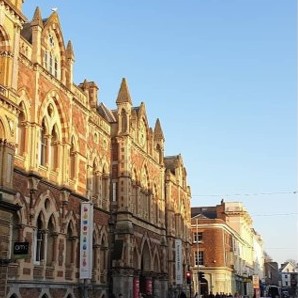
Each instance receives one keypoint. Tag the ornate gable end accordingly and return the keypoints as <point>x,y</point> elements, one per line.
<point>142,114</point>
<point>53,48</point>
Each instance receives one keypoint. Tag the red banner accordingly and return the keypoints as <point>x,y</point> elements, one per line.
<point>149,286</point>
<point>136,287</point>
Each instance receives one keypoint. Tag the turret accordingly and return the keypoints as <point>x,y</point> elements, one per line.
<point>124,105</point>
<point>36,26</point>
<point>92,90</point>
<point>69,64</point>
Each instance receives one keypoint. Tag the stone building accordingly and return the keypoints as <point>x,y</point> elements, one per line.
<point>61,147</point>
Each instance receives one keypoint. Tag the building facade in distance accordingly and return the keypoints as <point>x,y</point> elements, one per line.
<point>61,147</point>
<point>224,258</point>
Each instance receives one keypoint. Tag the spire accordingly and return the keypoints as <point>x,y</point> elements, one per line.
<point>123,95</point>
<point>158,134</point>
<point>37,19</point>
<point>69,50</point>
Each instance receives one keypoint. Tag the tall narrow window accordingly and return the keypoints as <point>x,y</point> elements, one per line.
<point>51,242</point>
<point>56,68</point>
<point>51,63</point>
<point>54,148</point>
<point>46,58</point>
<point>69,246</point>
<point>43,144</point>
<point>39,247</point>
<point>123,121</point>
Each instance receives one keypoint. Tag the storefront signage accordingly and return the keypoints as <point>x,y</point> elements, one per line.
<point>21,248</point>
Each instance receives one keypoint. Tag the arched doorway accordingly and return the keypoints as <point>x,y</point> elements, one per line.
<point>145,278</point>
<point>204,289</point>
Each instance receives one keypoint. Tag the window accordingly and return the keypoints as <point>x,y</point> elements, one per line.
<point>197,237</point>
<point>69,256</point>
<point>286,276</point>
<point>199,258</point>
<point>43,144</point>
<point>54,148</point>
<point>39,246</point>
<point>51,242</point>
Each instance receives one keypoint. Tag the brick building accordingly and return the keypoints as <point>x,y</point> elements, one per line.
<point>60,147</point>
<point>223,249</point>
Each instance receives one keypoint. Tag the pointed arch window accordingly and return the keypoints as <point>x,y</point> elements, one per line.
<point>54,148</point>
<point>123,121</point>
<point>51,242</point>
<point>69,256</point>
<point>43,144</point>
<point>103,254</point>
<point>39,243</point>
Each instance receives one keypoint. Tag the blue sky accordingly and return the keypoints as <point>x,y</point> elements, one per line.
<point>221,76</point>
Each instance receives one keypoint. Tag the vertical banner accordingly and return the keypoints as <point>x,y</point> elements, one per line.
<point>178,261</point>
<point>148,286</point>
<point>86,238</point>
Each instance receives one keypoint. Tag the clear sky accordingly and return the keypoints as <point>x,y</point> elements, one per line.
<point>221,76</point>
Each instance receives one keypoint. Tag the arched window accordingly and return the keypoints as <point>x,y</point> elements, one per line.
<point>123,121</point>
<point>43,144</point>
<point>39,246</point>
<point>69,255</point>
<point>51,242</point>
<point>54,148</point>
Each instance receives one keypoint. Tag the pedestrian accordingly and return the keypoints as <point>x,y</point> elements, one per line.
<point>182,295</point>
<point>120,295</point>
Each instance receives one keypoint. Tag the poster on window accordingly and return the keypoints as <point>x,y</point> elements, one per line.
<point>86,240</point>
<point>178,261</point>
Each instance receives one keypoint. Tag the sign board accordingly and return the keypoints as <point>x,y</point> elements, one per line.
<point>86,237</point>
<point>21,248</point>
<point>178,262</point>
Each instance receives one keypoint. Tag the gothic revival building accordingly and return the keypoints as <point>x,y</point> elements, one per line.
<point>60,147</point>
